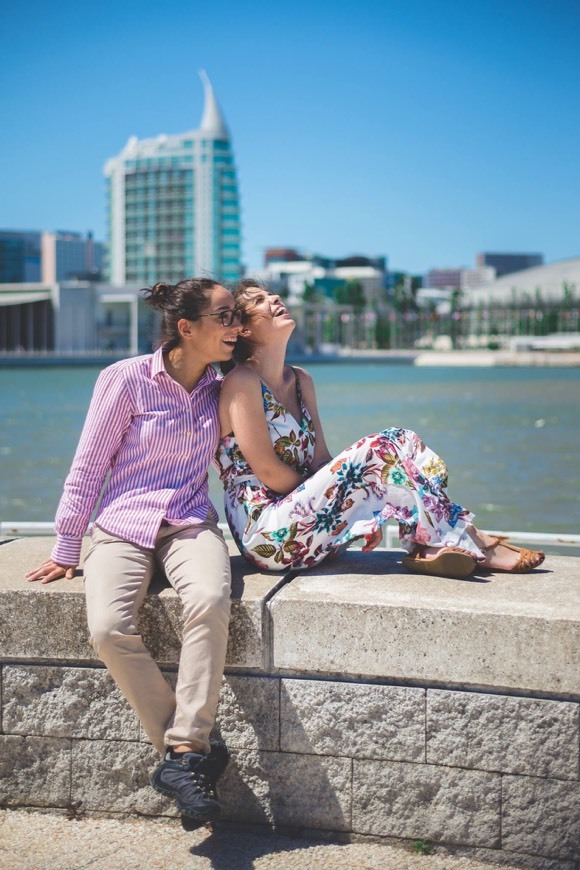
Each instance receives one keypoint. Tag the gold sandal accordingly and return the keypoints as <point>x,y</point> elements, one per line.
<point>529,559</point>
<point>449,562</point>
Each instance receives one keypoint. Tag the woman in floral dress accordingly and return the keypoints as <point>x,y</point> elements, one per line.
<point>289,504</point>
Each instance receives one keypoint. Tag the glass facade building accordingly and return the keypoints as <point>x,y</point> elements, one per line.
<point>20,257</point>
<point>505,264</point>
<point>31,256</point>
<point>173,205</point>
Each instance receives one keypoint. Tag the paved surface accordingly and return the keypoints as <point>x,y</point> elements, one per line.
<point>43,841</point>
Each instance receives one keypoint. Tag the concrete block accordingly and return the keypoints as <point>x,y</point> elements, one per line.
<point>510,735</point>
<point>113,777</point>
<point>160,617</point>
<point>248,644</point>
<point>34,771</point>
<point>248,715</point>
<point>28,609</point>
<point>541,816</point>
<point>424,801</point>
<point>40,622</point>
<point>286,789</point>
<point>65,702</point>
<point>361,721</point>
<point>362,615</point>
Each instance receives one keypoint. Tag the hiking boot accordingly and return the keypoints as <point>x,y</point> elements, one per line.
<point>190,780</point>
<point>212,767</point>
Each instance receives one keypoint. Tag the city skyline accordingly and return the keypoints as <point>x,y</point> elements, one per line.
<point>424,133</point>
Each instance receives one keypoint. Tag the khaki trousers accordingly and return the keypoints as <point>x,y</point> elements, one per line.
<point>117,575</point>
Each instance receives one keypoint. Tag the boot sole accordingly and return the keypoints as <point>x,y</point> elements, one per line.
<point>211,815</point>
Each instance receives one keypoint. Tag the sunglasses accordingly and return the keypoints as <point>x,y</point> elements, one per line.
<point>226,317</point>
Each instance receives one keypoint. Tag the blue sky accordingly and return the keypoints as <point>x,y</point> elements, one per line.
<point>423,130</point>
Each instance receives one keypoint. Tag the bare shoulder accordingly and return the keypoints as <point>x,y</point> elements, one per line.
<point>240,379</point>
<point>304,376</point>
<point>305,379</point>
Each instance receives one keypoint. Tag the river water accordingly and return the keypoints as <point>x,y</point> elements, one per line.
<point>509,436</point>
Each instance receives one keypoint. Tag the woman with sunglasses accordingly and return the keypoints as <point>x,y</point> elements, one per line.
<point>149,436</point>
<point>290,504</point>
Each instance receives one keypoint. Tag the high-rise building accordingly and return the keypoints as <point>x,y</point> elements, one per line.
<point>505,264</point>
<point>67,256</point>
<point>30,256</point>
<point>173,205</point>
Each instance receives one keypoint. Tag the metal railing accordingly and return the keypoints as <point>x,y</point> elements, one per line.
<point>391,536</point>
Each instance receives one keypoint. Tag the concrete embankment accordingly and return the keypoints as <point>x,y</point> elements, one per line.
<point>463,358</point>
<point>359,701</point>
<point>466,358</point>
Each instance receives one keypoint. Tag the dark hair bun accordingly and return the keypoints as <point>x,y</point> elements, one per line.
<point>159,295</point>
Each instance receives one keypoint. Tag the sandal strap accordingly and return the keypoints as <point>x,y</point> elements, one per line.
<point>494,544</point>
<point>528,559</point>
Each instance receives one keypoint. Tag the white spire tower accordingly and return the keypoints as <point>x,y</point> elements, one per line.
<point>212,121</point>
<point>173,204</point>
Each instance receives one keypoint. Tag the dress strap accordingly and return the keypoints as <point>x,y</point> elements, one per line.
<point>266,391</point>
<point>298,387</point>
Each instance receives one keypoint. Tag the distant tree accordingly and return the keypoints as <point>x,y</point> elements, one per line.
<point>456,299</point>
<point>569,293</point>
<point>404,293</point>
<point>351,293</point>
<point>382,332</point>
<point>310,294</point>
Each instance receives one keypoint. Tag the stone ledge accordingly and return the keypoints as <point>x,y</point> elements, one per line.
<point>27,609</point>
<point>496,632</point>
<point>360,615</point>
<point>308,698</point>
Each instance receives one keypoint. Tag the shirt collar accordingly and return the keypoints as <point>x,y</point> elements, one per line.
<point>158,368</point>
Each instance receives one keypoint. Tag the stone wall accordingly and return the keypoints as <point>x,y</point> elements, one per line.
<point>358,700</point>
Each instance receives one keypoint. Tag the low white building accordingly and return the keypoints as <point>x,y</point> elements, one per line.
<point>479,276</point>
<point>293,275</point>
<point>550,282</point>
<point>74,317</point>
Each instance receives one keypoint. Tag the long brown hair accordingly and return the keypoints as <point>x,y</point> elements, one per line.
<point>245,346</point>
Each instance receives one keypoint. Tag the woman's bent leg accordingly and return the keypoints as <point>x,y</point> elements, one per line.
<point>389,475</point>
<point>117,575</point>
<point>197,564</point>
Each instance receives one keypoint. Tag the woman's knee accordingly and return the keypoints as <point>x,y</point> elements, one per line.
<point>207,603</point>
<point>107,634</point>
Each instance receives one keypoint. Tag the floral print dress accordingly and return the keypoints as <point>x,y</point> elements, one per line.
<point>389,475</point>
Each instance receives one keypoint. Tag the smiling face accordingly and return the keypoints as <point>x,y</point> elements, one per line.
<point>265,317</point>
<point>209,338</point>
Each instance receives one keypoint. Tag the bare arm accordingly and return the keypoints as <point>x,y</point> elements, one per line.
<point>242,412</point>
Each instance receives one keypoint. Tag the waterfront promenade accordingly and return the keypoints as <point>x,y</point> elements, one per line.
<point>467,358</point>
<point>46,841</point>
<point>464,358</point>
<point>359,703</point>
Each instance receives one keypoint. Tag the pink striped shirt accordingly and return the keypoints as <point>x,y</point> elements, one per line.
<point>156,440</point>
